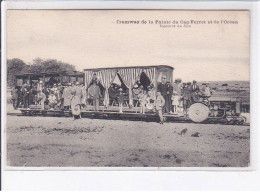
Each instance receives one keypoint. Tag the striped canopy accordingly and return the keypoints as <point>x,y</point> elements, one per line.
<point>106,77</point>
<point>128,75</point>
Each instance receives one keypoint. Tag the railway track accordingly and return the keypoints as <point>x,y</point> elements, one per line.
<point>127,116</point>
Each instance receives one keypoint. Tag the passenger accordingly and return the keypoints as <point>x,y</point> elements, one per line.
<point>142,97</point>
<point>84,96</point>
<point>40,86</point>
<point>66,97</point>
<point>207,91</point>
<point>60,92</point>
<point>41,97</point>
<point>159,103</point>
<point>206,94</point>
<point>56,91</point>
<point>79,92</point>
<point>187,90</point>
<point>194,86</point>
<point>25,93</point>
<point>136,91</point>
<point>150,99</point>
<point>33,94</point>
<point>76,95</point>
<point>95,93</point>
<point>163,89</point>
<point>14,93</point>
<point>168,97</point>
<point>175,101</point>
<point>52,100</point>
<point>177,86</point>
<point>195,96</point>
<point>121,100</point>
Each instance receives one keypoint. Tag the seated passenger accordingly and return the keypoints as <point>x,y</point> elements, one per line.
<point>52,100</point>
<point>41,97</point>
<point>195,96</point>
<point>207,91</point>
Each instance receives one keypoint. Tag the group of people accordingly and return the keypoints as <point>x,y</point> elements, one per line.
<point>54,97</point>
<point>171,98</point>
<point>179,96</point>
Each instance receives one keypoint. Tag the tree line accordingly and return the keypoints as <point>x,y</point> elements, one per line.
<point>17,66</point>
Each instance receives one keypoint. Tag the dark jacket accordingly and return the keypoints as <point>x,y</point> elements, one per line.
<point>163,88</point>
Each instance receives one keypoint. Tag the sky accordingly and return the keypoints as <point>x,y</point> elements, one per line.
<point>94,39</point>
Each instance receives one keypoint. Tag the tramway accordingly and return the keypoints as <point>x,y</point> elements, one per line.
<point>215,109</point>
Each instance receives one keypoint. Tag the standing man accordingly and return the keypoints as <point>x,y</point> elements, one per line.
<point>26,95</point>
<point>14,93</point>
<point>163,89</point>
<point>194,86</point>
<point>187,90</point>
<point>168,100</point>
<point>159,103</point>
<point>95,93</point>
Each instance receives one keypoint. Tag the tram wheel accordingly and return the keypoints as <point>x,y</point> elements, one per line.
<point>198,112</point>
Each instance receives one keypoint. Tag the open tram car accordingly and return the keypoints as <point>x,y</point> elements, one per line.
<point>216,108</point>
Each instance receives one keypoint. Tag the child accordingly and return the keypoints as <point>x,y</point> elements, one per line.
<point>143,100</point>
<point>121,100</point>
<point>175,101</point>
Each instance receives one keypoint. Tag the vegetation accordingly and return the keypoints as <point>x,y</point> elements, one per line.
<point>17,66</point>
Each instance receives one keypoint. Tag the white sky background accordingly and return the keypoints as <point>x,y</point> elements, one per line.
<point>92,39</point>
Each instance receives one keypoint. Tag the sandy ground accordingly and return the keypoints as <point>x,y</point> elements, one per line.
<point>59,141</point>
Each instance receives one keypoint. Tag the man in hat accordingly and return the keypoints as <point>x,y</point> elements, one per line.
<point>163,89</point>
<point>25,93</point>
<point>168,102</point>
<point>194,86</point>
<point>187,90</point>
<point>159,103</point>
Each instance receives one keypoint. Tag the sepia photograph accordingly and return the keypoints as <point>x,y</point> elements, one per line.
<point>127,88</point>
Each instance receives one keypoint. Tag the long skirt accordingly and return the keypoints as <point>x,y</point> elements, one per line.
<point>75,106</point>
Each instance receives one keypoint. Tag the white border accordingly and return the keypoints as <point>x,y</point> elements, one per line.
<point>11,172</point>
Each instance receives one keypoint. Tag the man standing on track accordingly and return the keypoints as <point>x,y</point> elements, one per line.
<point>163,89</point>
<point>159,103</point>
